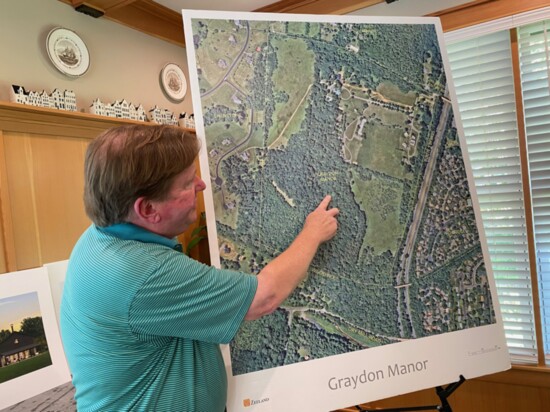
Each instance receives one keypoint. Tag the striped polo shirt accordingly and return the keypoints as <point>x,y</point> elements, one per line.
<point>141,323</point>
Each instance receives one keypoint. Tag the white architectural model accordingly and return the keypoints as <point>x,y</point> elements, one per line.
<point>187,121</point>
<point>120,109</point>
<point>63,100</point>
<point>162,116</point>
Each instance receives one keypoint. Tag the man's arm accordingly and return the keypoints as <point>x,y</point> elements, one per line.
<point>280,277</point>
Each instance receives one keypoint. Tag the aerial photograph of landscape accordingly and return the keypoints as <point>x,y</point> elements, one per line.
<point>293,111</point>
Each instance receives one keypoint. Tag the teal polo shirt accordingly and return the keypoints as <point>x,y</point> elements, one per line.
<point>141,323</point>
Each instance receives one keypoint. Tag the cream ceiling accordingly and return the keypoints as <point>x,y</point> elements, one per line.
<point>162,18</point>
<point>164,21</point>
<point>224,5</point>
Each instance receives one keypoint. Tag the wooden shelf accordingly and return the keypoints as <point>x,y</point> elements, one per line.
<point>17,117</point>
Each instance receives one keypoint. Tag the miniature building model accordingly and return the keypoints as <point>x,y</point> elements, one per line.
<point>186,120</point>
<point>62,100</point>
<point>162,116</point>
<point>120,109</point>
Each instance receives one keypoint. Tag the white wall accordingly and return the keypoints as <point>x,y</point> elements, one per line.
<point>125,63</point>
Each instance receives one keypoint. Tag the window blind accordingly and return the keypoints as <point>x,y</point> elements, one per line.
<point>533,43</point>
<point>482,73</point>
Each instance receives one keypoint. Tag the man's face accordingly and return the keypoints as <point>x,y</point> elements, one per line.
<point>178,210</point>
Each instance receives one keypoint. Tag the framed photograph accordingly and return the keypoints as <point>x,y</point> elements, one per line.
<point>173,82</point>
<point>68,52</point>
<point>31,354</point>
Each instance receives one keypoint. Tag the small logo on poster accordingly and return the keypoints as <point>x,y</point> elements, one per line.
<point>251,402</point>
<point>483,350</point>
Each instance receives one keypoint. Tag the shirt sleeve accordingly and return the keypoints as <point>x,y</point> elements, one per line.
<point>185,298</point>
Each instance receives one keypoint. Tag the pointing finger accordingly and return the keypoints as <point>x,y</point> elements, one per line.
<point>324,203</point>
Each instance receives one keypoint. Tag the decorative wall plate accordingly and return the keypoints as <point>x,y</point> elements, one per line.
<point>67,52</point>
<point>173,82</point>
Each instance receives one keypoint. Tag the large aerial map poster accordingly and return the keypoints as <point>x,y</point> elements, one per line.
<point>291,108</point>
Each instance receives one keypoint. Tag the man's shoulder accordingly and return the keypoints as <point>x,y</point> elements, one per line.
<point>100,259</point>
<point>96,240</point>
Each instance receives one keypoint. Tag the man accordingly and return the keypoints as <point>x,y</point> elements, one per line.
<point>141,322</point>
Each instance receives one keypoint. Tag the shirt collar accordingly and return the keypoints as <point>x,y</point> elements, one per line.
<point>129,231</point>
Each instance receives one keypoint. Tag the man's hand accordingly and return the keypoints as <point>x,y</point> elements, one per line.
<point>279,277</point>
<point>321,224</point>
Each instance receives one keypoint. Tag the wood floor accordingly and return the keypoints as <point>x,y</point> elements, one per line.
<point>59,399</point>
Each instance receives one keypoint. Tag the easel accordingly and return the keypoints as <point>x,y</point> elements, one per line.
<point>442,393</point>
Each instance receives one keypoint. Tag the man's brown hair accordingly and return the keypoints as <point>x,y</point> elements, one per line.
<point>128,162</point>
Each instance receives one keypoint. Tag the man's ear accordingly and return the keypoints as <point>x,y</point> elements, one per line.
<point>145,210</point>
